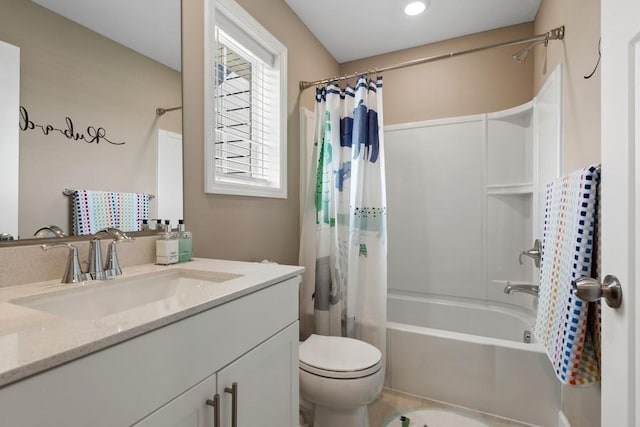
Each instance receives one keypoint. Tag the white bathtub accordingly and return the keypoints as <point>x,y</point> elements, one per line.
<point>470,355</point>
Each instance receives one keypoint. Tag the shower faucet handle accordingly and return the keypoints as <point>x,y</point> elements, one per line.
<point>535,253</point>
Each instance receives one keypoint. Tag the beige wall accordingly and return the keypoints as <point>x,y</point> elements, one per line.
<point>476,83</point>
<point>578,54</point>
<point>69,71</point>
<point>245,228</point>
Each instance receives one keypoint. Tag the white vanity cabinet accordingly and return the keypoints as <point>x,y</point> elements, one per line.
<point>266,381</point>
<point>187,410</point>
<point>164,377</point>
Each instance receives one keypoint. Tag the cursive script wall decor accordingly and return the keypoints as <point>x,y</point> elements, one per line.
<point>92,135</point>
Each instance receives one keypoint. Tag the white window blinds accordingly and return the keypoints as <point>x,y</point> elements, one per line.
<point>242,128</point>
<point>246,116</point>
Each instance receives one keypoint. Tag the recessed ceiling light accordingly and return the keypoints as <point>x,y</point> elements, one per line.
<point>415,8</point>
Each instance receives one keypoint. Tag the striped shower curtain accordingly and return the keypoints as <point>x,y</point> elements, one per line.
<point>343,242</point>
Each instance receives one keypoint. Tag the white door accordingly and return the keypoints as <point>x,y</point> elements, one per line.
<point>620,28</point>
<point>9,137</point>
<point>169,192</point>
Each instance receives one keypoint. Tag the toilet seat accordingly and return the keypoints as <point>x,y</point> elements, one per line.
<point>339,357</point>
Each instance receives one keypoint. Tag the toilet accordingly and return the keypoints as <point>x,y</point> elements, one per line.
<point>340,377</point>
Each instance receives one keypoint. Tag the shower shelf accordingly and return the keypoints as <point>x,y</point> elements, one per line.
<point>507,189</point>
<point>512,282</point>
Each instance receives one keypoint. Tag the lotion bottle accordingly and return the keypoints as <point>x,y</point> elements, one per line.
<point>184,243</point>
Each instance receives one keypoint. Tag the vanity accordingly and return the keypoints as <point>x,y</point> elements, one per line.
<point>204,343</point>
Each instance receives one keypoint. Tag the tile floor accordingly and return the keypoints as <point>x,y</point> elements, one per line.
<point>392,402</point>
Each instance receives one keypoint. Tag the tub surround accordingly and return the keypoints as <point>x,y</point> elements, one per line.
<point>502,377</point>
<point>32,341</point>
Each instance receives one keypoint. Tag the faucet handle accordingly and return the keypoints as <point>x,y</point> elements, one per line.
<point>73,273</point>
<point>112,266</point>
<point>535,253</point>
<point>116,234</point>
<point>96,268</point>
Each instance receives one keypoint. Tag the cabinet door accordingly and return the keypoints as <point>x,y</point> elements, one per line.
<point>187,410</point>
<point>267,384</point>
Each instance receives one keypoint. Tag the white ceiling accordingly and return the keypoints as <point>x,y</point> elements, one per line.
<point>150,27</point>
<point>350,29</point>
<point>355,29</point>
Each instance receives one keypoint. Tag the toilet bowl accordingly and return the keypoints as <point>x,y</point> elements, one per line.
<point>340,376</point>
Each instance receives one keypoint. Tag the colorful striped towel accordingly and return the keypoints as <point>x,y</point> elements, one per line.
<point>569,327</point>
<point>95,210</point>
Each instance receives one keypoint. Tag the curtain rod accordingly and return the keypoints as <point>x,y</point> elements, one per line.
<point>161,111</point>
<point>554,34</point>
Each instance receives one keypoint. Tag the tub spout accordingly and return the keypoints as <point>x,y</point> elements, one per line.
<point>527,289</point>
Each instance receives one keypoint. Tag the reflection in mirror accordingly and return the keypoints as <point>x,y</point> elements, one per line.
<point>50,231</point>
<point>88,101</point>
<point>9,101</point>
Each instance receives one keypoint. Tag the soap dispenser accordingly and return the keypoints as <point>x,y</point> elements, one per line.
<point>184,242</point>
<point>166,247</point>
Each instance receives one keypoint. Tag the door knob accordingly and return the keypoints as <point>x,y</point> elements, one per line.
<point>589,289</point>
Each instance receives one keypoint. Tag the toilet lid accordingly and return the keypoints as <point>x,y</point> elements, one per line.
<point>339,357</point>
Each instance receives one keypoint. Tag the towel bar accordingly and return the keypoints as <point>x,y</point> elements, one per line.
<point>68,192</point>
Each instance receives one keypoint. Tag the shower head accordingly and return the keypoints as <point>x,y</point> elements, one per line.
<point>521,55</point>
<point>555,34</point>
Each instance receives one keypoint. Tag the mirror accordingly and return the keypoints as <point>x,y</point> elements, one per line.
<point>92,74</point>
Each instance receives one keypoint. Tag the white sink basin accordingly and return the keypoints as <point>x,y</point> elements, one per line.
<point>99,299</point>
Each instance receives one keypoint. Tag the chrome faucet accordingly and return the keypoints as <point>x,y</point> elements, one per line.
<point>73,273</point>
<point>112,266</point>
<point>49,231</point>
<point>527,289</point>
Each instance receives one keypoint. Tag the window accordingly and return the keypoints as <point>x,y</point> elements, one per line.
<point>245,113</point>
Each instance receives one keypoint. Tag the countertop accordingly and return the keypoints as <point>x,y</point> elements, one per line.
<point>32,341</point>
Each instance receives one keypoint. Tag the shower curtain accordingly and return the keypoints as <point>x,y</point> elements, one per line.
<point>343,241</point>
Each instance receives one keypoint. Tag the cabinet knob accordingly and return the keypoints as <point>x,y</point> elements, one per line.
<point>216,409</point>
<point>233,390</point>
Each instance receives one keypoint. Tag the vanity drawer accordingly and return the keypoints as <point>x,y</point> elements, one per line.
<point>121,384</point>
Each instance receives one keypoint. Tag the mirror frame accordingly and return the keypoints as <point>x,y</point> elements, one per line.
<point>32,241</point>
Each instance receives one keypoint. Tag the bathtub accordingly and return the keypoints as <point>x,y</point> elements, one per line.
<point>470,355</point>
